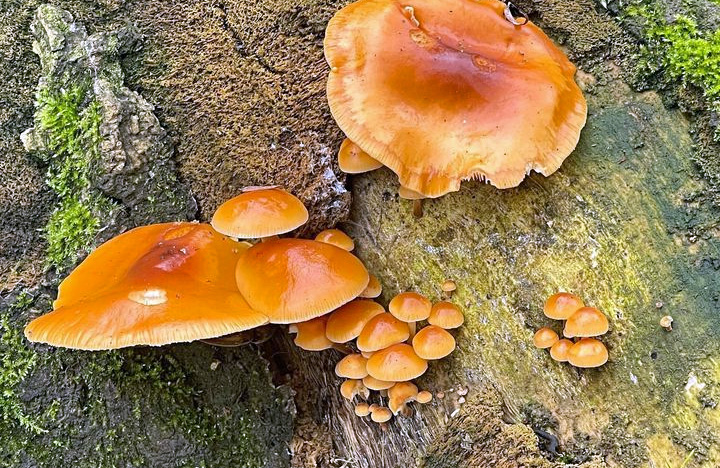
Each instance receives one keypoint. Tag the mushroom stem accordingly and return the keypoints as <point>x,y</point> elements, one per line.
<point>418,208</point>
<point>342,348</point>
<point>269,238</point>
<point>413,329</point>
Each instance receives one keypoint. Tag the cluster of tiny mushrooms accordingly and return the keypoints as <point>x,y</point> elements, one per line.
<point>438,92</point>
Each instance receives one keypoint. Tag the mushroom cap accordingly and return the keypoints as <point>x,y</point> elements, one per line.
<point>446,315</point>
<point>337,238</point>
<point>408,194</point>
<point>381,415</point>
<point>291,280</point>
<point>424,397</point>
<point>352,366</point>
<point>311,334</point>
<point>374,384</point>
<point>588,352</point>
<point>448,286</point>
<point>362,409</point>
<point>382,331</point>
<point>374,288</point>
<point>562,305</point>
<point>495,100</point>
<point>260,212</point>
<point>545,337</point>
<point>346,323</point>
<point>433,342</point>
<point>353,160</point>
<point>561,349</point>
<point>410,307</point>
<point>352,387</point>
<point>587,321</point>
<point>397,363</point>
<point>153,285</point>
<point>401,393</point>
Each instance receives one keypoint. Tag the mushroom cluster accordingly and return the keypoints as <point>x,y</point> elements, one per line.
<point>384,349</point>
<point>442,92</point>
<point>583,324</point>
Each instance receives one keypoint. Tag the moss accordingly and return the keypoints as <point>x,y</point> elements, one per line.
<point>70,230</point>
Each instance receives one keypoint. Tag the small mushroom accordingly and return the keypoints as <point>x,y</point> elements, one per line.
<point>349,389</point>
<point>448,286</point>
<point>397,363</point>
<point>666,322</point>
<point>362,409</point>
<point>446,315</point>
<point>424,397</point>
<point>337,238</point>
<point>560,350</point>
<point>381,415</point>
<point>410,307</point>
<point>562,305</point>
<point>374,288</point>
<point>433,342</point>
<point>382,331</point>
<point>311,334</point>
<point>353,160</point>
<point>400,394</point>
<point>545,338</point>
<point>352,366</point>
<point>346,323</point>
<point>588,352</point>
<point>586,322</point>
<point>417,199</point>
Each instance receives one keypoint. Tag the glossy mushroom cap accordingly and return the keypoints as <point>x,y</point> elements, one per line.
<point>153,285</point>
<point>311,334</point>
<point>424,397</point>
<point>337,238</point>
<point>291,280</point>
<point>401,393</point>
<point>410,307</point>
<point>560,351</point>
<point>382,331</point>
<point>588,352</point>
<point>362,409</point>
<point>260,212</point>
<point>374,288</point>
<point>353,160</point>
<point>397,363</point>
<point>346,323</point>
<point>562,305</point>
<point>446,315</point>
<point>587,321</point>
<point>381,415</point>
<point>352,366</point>
<point>494,100</point>
<point>433,342</point>
<point>544,338</point>
<point>374,384</point>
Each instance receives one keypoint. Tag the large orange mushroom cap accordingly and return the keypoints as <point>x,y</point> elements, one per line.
<point>442,91</point>
<point>292,280</point>
<point>153,285</point>
<point>397,363</point>
<point>260,212</point>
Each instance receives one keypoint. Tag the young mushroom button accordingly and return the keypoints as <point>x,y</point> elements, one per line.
<point>588,352</point>
<point>562,305</point>
<point>586,322</point>
<point>433,342</point>
<point>544,338</point>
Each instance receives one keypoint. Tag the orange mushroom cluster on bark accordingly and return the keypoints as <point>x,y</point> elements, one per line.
<point>582,323</point>
<point>442,92</point>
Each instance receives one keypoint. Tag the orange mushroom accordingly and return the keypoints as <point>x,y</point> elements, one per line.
<point>153,285</point>
<point>560,350</point>
<point>362,409</point>
<point>586,322</point>
<point>400,394</point>
<point>588,352</point>
<point>337,238</point>
<point>410,307</point>
<point>446,315</point>
<point>291,280</point>
<point>424,397</point>
<point>397,363</point>
<point>352,366</point>
<point>544,338</point>
<point>311,334</point>
<point>445,91</point>
<point>351,388</point>
<point>353,160</point>
<point>382,331</point>
<point>562,305</point>
<point>346,323</point>
<point>381,415</point>
<point>374,288</point>
<point>260,212</point>
<point>433,342</point>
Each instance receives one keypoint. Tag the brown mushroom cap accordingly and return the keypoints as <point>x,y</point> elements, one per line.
<point>382,331</point>
<point>374,288</point>
<point>587,321</point>
<point>362,409</point>
<point>291,280</point>
<point>494,100</point>
<point>352,366</point>
<point>562,305</point>
<point>446,315</point>
<point>346,323</point>
<point>433,342</point>
<point>410,307</point>
<point>544,338</point>
<point>374,384</point>
<point>337,238</point>
<point>397,363</point>
<point>353,160</point>
<point>560,350</point>
<point>400,394</point>
<point>311,334</point>
<point>153,285</point>
<point>424,397</point>
<point>260,212</point>
<point>588,352</point>
<point>350,388</point>
<point>381,415</point>
<point>448,286</point>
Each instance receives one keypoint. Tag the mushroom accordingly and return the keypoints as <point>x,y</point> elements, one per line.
<point>446,91</point>
<point>153,285</point>
<point>666,322</point>
<point>448,286</point>
<point>381,415</point>
<point>291,280</point>
<point>362,409</point>
<point>560,350</point>
<point>311,334</point>
<point>350,388</point>
<point>346,323</point>
<point>562,305</point>
<point>588,352</point>
<point>410,307</point>
<point>353,160</point>
<point>259,212</point>
<point>382,331</point>
<point>352,366</point>
<point>424,397</point>
<point>586,322</point>
<point>374,288</point>
<point>400,394</point>
<point>374,384</point>
<point>417,199</point>
<point>397,363</point>
<point>544,338</point>
<point>433,342</point>
<point>446,315</point>
<point>337,238</point>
